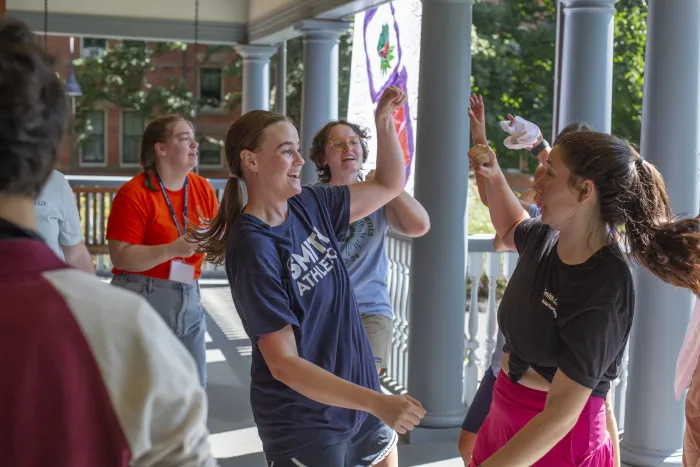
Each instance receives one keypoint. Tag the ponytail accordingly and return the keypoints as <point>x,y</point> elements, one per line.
<point>214,239</point>
<point>669,248</point>
<point>631,192</point>
<point>245,133</point>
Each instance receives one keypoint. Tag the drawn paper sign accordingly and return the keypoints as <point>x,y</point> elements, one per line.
<point>380,59</point>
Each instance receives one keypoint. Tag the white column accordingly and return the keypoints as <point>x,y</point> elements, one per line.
<point>256,76</point>
<point>438,264</point>
<point>654,420</point>
<point>587,61</point>
<point>319,101</point>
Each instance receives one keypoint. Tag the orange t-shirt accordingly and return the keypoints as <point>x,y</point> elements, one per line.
<point>140,216</point>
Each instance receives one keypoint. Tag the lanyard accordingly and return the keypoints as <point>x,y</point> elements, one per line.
<point>170,206</point>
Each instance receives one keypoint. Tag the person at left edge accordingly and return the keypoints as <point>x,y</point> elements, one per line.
<point>58,222</point>
<point>148,229</point>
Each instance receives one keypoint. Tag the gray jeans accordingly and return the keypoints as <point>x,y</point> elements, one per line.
<point>180,305</point>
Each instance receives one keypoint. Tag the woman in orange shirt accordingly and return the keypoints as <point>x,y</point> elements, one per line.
<point>147,231</point>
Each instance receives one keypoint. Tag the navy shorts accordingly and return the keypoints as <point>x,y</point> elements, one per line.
<point>372,443</point>
<point>481,404</point>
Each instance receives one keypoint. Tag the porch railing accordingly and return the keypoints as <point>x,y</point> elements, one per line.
<point>485,269</point>
<point>94,196</point>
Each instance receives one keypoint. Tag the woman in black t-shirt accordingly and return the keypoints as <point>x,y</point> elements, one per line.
<point>567,311</point>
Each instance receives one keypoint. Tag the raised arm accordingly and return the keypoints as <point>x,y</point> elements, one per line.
<point>367,197</point>
<point>477,128</point>
<point>504,207</point>
<point>405,214</point>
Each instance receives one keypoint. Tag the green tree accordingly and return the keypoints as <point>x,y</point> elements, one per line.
<point>513,61</point>
<point>628,68</point>
<point>121,76</point>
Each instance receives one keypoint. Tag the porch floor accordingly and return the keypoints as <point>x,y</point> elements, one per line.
<point>234,438</point>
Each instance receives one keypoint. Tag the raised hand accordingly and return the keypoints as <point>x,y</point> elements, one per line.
<point>402,413</point>
<point>511,119</point>
<point>391,99</point>
<point>483,160</point>
<point>477,120</point>
<point>370,175</point>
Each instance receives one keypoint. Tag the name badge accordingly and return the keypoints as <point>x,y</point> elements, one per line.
<point>181,272</point>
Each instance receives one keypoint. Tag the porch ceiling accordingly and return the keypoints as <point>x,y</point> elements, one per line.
<point>220,21</point>
<point>271,21</point>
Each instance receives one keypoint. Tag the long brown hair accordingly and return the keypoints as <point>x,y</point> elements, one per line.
<point>156,132</point>
<point>320,141</point>
<point>245,133</point>
<point>632,192</point>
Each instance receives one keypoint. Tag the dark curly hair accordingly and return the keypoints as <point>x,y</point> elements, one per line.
<point>318,147</point>
<point>631,192</point>
<point>34,109</point>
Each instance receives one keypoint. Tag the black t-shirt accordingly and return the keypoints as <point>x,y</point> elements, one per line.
<point>558,316</point>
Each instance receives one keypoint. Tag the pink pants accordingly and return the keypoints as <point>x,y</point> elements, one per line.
<point>691,440</point>
<point>514,405</point>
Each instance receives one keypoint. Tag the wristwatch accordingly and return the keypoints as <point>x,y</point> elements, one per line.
<point>539,148</point>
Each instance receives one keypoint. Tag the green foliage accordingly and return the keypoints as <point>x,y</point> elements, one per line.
<point>513,53</point>
<point>121,76</point>
<point>512,65</point>
<point>345,61</point>
<point>479,218</point>
<point>295,78</point>
<point>628,68</point>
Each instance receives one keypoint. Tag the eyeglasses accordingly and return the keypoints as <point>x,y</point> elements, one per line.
<point>342,143</point>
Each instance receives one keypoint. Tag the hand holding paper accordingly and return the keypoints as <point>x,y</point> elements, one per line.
<point>523,134</point>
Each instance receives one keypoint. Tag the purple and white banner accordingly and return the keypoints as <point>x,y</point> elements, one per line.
<point>386,53</point>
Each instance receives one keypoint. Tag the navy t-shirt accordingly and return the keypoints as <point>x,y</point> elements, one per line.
<point>576,318</point>
<point>293,274</point>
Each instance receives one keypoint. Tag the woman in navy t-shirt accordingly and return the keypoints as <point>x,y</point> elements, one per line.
<point>315,392</point>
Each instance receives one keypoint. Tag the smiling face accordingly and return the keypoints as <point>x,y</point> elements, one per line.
<point>179,150</point>
<point>343,151</point>
<point>559,200</point>
<point>275,165</point>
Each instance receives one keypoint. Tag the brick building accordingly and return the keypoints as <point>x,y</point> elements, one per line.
<point>112,147</point>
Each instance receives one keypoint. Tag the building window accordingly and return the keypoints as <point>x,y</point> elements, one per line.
<point>133,124</point>
<point>209,153</point>
<point>210,86</point>
<point>93,147</point>
<point>93,47</point>
<point>130,44</point>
